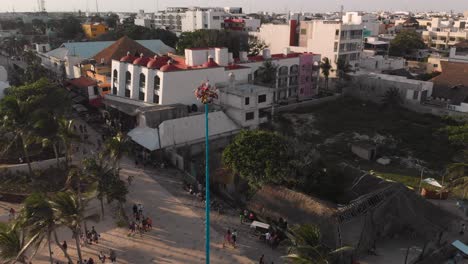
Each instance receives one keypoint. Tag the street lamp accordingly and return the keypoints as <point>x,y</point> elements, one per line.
<point>206,93</point>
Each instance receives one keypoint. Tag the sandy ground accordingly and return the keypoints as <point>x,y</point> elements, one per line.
<point>178,227</point>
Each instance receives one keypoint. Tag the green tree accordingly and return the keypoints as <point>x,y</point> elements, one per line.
<point>69,211</point>
<point>259,157</point>
<point>112,20</point>
<point>234,41</point>
<point>98,170</point>
<point>307,247</point>
<point>11,245</point>
<point>266,73</point>
<point>392,98</point>
<point>256,45</point>
<point>16,121</point>
<point>114,148</point>
<point>326,67</point>
<point>405,42</point>
<point>37,217</point>
<point>343,68</point>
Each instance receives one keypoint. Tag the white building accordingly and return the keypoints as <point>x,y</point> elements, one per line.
<point>333,39</point>
<point>203,18</point>
<point>445,34</point>
<point>459,52</point>
<point>246,104</point>
<point>368,21</point>
<point>374,86</point>
<point>378,63</point>
<point>172,79</point>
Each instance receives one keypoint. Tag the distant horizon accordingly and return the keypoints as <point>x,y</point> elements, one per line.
<point>248,6</point>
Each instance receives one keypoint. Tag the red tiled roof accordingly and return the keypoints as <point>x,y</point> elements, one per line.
<point>462,44</point>
<point>82,82</point>
<point>452,83</point>
<point>119,49</point>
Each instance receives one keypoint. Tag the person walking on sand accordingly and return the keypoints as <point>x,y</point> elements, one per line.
<point>140,208</point>
<point>135,209</point>
<point>227,238</point>
<point>262,259</point>
<point>234,237</point>
<point>64,246</point>
<point>112,256</point>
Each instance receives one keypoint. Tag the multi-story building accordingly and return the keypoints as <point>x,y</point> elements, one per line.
<point>372,27</point>
<point>172,79</point>
<point>170,19</point>
<point>203,18</point>
<point>445,34</point>
<point>332,39</point>
<point>247,104</point>
<point>94,30</point>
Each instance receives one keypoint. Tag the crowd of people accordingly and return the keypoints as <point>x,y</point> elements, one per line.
<point>140,223</point>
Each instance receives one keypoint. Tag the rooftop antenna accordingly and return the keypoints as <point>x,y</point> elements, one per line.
<point>97,7</point>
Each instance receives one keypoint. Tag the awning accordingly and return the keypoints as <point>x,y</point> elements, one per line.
<point>461,246</point>
<point>146,137</point>
<point>433,182</point>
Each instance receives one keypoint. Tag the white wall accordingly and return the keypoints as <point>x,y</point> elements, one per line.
<point>275,36</point>
<point>380,63</point>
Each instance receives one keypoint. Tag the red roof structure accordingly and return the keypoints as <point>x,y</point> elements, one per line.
<point>122,48</point>
<point>82,82</point>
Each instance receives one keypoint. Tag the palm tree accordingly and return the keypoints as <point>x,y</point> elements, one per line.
<point>115,147</point>
<point>70,212</point>
<point>326,67</point>
<point>342,69</point>
<point>37,217</point>
<point>392,98</point>
<point>267,72</point>
<point>16,120</point>
<point>98,171</point>
<point>55,131</point>
<point>308,248</point>
<point>11,245</point>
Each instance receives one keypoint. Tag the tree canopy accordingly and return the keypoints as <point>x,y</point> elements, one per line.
<point>138,32</point>
<point>234,41</point>
<point>257,156</point>
<point>405,42</point>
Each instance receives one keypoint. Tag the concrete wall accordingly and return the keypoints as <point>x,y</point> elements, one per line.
<point>380,63</point>
<point>23,167</point>
<point>308,103</point>
<point>275,36</point>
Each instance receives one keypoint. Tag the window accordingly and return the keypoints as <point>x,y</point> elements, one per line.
<point>415,95</point>
<point>128,77</point>
<point>303,31</point>
<point>262,98</point>
<point>247,100</point>
<point>335,48</point>
<point>337,32</point>
<point>156,99</point>
<point>127,92</point>
<point>435,65</point>
<point>157,83</point>
<point>114,90</point>
<point>215,17</point>
<point>249,116</point>
<point>142,80</point>
<point>262,114</point>
<point>96,91</point>
<point>115,78</point>
<point>141,96</point>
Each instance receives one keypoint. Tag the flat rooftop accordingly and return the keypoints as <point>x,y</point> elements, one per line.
<point>243,89</point>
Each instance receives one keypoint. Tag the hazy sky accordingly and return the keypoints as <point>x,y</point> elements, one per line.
<point>248,5</point>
